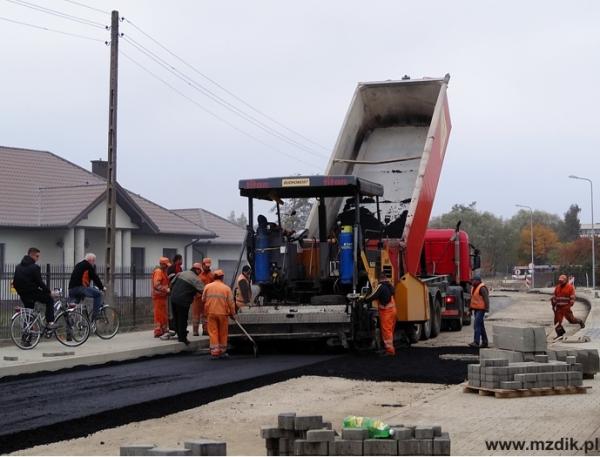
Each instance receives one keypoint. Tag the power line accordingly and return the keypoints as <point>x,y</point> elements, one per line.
<point>87,6</point>
<point>225,89</point>
<point>212,113</point>
<point>39,27</point>
<point>60,14</point>
<point>218,99</point>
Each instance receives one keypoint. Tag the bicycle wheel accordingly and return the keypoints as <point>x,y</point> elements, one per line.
<point>25,330</point>
<point>107,322</point>
<point>72,328</point>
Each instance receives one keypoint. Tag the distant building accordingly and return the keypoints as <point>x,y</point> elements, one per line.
<point>586,230</point>
<point>59,207</point>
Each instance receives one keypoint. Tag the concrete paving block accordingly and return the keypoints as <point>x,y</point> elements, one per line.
<point>437,430</point>
<point>540,339</point>
<point>402,433</point>
<point>520,338</point>
<point>408,447</point>
<point>493,353</point>
<point>526,377</point>
<point>530,385</point>
<point>168,451</point>
<point>285,421</point>
<point>320,435</point>
<point>441,444</point>
<point>304,447</point>
<point>541,358</point>
<point>485,363</point>
<point>380,447</point>
<point>352,434</point>
<point>511,385</point>
<point>286,446</point>
<point>499,370</point>
<point>308,422</point>
<point>422,432</point>
<point>206,447</point>
<point>271,432</point>
<point>346,447</point>
<point>560,383</point>
<point>425,447</point>
<point>328,425</point>
<point>272,444</point>
<point>136,449</point>
<point>474,383</point>
<point>571,359</point>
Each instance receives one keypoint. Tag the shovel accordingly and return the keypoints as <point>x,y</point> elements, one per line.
<point>254,345</point>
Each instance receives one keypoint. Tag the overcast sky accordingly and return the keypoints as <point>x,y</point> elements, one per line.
<point>524,97</point>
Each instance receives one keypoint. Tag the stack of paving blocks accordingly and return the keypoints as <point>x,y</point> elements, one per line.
<point>192,447</point>
<point>500,374</point>
<point>304,435</point>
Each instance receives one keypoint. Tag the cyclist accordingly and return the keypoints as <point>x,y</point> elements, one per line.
<point>28,283</point>
<point>83,275</point>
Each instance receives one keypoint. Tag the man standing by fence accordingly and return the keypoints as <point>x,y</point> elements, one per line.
<point>160,293</point>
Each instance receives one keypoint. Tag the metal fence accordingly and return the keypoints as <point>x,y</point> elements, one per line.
<point>133,288</point>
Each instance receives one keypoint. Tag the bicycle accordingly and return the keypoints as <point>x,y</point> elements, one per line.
<point>106,324</point>
<point>28,326</point>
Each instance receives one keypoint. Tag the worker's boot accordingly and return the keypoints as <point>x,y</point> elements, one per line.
<point>195,329</point>
<point>484,344</point>
<point>560,331</point>
<point>581,324</point>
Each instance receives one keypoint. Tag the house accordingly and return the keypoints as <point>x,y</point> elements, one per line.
<point>59,207</point>
<point>586,230</point>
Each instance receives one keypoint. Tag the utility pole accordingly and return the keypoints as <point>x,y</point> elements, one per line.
<point>111,178</point>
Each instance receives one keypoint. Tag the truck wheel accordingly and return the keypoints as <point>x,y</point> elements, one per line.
<point>426,330</point>
<point>457,324</point>
<point>414,333</point>
<point>436,318</point>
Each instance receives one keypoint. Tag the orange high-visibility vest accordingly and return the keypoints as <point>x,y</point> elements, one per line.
<point>160,283</point>
<point>218,299</point>
<point>476,298</point>
<point>239,299</point>
<point>564,295</point>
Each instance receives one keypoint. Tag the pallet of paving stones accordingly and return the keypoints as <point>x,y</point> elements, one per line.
<point>310,435</point>
<point>533,392</point>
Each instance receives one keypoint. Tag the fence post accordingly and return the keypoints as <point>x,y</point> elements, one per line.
<point>133,292</point>
<point>48,275</point>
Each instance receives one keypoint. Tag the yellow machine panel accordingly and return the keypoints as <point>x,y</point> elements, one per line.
<point>412,299</point>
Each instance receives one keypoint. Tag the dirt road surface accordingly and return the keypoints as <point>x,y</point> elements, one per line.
<point>237,419</point>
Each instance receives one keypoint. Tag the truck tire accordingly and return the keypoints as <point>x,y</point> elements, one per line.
<point>328,300</point>
<point>414,333</point>
<point>426,330</point>
<point>436,318</point>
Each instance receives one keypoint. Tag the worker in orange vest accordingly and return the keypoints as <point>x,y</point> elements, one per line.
<point>243,289</point>
<point>160,294</point>
<point>383,298</point>
<point>562,301</point>
<point>218,305</point>
<point>480,304</point>
<point>206,276</point>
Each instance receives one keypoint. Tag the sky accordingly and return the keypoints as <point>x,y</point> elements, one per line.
<point>523,93</point>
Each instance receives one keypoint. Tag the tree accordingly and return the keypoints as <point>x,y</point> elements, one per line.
<point>545,245</point>
<point>295,212</point>
<point>571,225</point>
<point>240,220</point>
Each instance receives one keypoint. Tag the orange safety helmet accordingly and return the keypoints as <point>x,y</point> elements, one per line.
<point>207,260</point>
<point>219,273</point>
<point>164,261</point>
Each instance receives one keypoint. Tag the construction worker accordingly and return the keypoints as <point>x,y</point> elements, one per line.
<point>383,298</point>
<point>562,301</point>
<point>480,304</point>
<point>160,294</point>
<point>174,268</point>
<point>219,306</point>
<point>198,316</point>
<point>184,287</point>
<point>243,289</point>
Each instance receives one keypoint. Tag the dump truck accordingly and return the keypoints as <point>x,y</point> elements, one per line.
<point>370,215</point>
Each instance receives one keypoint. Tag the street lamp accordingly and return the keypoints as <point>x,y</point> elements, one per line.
<point>531,229</point>
<point>593,238</point>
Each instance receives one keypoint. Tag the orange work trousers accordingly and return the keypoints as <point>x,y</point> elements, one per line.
<point>161,315</point>
<point>218,331</point>
<point>564,312</point>
<point>387,322</point>
<point>198,316</point>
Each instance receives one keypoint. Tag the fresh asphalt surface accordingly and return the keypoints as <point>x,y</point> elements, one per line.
<point>51,407</point>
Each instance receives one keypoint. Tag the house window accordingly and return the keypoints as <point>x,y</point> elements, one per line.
<point>138,258</point>
<point>169,253</point>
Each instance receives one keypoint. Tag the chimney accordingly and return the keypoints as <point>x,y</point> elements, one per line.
<point>100,168</point>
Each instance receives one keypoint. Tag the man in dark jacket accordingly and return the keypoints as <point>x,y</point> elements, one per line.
<point>28,283</point>
<point>184,288</point>
<point>172,270</point>
<point>83,275</point>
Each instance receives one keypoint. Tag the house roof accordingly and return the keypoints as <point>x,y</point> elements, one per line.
<point>41,189</point>
<point>228,232</point>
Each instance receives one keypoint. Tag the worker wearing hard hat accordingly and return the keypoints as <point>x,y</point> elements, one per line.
<point>219,306</point>
<point>243,289</point>
<point>184,287</point>
<point>480,304</point>
<point>160,294</point>
<point>206,276</point>
<point>562,301</point>
<point>383,298</point>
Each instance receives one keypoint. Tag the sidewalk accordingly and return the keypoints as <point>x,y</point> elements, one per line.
<point>95,351</point>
